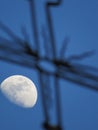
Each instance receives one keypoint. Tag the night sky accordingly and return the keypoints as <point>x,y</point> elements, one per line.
<point>75,19</point>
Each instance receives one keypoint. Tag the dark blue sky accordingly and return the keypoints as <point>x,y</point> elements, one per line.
<point>76,19</point>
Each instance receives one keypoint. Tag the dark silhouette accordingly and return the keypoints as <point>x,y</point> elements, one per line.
<point>22,54</point>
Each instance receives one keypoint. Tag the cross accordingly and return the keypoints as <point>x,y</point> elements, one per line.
<point>62,69</point>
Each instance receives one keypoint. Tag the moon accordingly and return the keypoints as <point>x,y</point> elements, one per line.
<point>20,90</point>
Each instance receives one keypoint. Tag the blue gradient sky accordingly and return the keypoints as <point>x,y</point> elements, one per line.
<point>76,19</point>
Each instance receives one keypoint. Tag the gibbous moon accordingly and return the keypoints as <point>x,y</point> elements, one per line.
<point>20,90</point>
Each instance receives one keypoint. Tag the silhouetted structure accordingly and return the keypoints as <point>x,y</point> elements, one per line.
<point>24,55</point>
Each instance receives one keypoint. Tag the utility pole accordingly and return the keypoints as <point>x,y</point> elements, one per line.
<point>65,70</point>
<point>41,75</point>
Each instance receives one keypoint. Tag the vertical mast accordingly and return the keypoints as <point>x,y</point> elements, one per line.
<point>34,24</point>
<point>53,48</point>
<point>48,15</point>
<point>37,46</point>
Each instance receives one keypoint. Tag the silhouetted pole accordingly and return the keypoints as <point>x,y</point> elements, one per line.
<point>76,73</point>
<point>37,44</point>
<point>53,50</point>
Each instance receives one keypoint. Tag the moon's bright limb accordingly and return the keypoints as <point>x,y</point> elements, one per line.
<point>20,90</point>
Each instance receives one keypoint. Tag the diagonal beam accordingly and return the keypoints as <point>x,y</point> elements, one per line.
<point>85,78</point>
<point>10,33</point>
